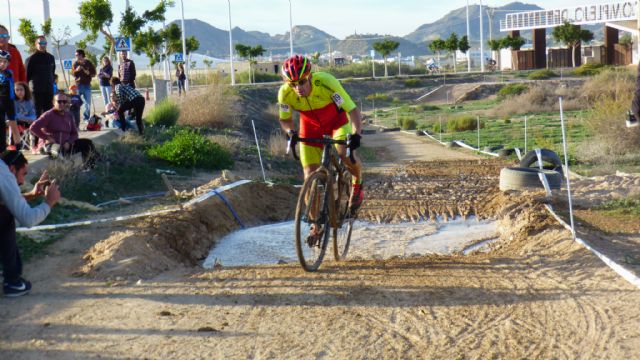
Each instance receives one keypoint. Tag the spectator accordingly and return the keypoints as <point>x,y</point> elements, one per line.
<point>14,206</point>
<point>75,103</point>
<point>60,134</point>
<point>182,77</point>
<point>106,72</point>
<point>84,71</point>
<point>128,98</point>
<point>25,111</point>
<point>16,66</point>
<point>127,70</point>
<point>111,111</point>
<point>55,84</point>
<point>41,68</point>
<point>7,106</point>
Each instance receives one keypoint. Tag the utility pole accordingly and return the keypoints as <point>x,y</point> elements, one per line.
<point>233,74</point>
<point>469,40</point>
<point>290,30</point>
<point>184,46</point>
<point>330,53</point>
<point>490,12</point>
<point>9,12</point>
<point>399,62</point>
<point>45,5</point>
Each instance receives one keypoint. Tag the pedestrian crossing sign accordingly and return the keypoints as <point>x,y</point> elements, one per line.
<point>178,58</point>
<point>123,44</point>
<point>68,64</point>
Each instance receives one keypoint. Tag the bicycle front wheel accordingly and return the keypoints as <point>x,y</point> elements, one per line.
<point>312,221</point>
<point>342,230</point>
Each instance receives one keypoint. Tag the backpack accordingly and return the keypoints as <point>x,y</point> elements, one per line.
<point>94,123</point>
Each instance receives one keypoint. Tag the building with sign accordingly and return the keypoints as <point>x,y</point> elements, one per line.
<point>616,17</point>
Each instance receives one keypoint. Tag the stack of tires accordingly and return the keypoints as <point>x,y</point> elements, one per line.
<point>527,174</point>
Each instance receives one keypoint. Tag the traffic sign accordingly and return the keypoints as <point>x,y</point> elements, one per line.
<point>123,44</point>
<point>68,64</point>
<point>178,58</point>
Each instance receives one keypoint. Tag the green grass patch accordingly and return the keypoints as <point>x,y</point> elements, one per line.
<point>629,206</point>
<point>588,69</point>
<point>412,83</point>
<point>541,74</point>
<point>166,113</point>
<point>512,90</point>
<point>191,149</point>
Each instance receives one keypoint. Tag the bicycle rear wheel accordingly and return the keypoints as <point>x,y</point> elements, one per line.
<point>344,226</point>
<point>312,215</point>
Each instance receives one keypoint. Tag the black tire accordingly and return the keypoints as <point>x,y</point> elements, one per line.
<point>516,178</point>
<point>313,195</point>
<point>550,160</point>
<point>344,219</point>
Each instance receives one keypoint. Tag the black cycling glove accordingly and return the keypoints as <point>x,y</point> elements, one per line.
<point>355,141</point>
<point>293,137</point>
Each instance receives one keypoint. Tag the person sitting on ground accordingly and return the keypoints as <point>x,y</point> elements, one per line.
<point>14,206</point>
<point>111,111</point>
<point>25,109</point>
<point>128,98</point>
<point>58,129</point>
<point>75,103</point>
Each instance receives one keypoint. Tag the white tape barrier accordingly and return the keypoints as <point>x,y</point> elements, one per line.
<point>462,144</point>
<point>191,202</point>
<point>539,156</point>
<point>619,269</point>
<point>518,153</point>
<point>545,183</point>
<point>432,138</point>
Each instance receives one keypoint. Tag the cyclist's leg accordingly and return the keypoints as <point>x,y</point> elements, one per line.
<point>355,169</point>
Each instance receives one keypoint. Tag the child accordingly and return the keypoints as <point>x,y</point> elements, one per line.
<point>75,104</point>
<point>7,106</point>
<point>55,83</point>
<point>111,111</point>
<point>25,110</point>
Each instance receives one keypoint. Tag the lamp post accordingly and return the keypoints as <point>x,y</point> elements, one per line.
<point>9,12</point>
<point>481,41</point>
<point>45,6</point>
<point>290,30</point>
<point>469,40</point>
<point>233,75</point>
<point>184,46</point>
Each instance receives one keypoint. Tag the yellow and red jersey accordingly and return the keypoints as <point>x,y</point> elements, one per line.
<point>323,111</point>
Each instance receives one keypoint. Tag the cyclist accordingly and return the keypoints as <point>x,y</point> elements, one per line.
<point>491,63</point>
<point>325,109</point>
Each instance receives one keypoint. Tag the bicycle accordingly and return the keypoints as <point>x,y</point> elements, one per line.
<point>323,206</point>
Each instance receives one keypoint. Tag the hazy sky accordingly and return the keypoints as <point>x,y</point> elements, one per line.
<point>336,17</point>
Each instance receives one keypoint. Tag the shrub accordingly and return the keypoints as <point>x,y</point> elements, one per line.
<point>144,81</point>
<point>166,113</point>
<point>512,90</point>
<point>189,148</point>
<point>243,77</point>
<point>541,74</point>
<point>507,121</point>
<point>412,83</point>
<point>427,107</point>
<point>540,97</point>
<point>463,123</point>
<point>378,97</point>
<point>409,124</point>
<point>210,108</point>
<point>588,69</point>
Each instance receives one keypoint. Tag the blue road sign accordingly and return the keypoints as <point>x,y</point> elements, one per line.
<point>178,57</point>
<point>68,64</point>
<point>123,44</point>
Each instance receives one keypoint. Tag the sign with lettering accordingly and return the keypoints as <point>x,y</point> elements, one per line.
<point>587,14</point>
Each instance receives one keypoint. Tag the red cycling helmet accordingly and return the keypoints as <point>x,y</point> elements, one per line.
<point>296,68</point>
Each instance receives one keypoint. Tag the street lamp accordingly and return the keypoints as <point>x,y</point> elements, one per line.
<point>9,12</point>
<point>469,40</point>
<point>45,5</point>
<point>233,75</point>
<point>481,41</point>
<point>290,31</point>
<point>184,46</point>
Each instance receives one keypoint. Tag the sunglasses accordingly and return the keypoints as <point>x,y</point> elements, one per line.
<point>42,42</point>
<point>62,101</point>
<point>297,83</point>
<point>4,36</point>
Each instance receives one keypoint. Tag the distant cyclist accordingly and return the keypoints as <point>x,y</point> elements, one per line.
<point>325,109</point>
<point>491,64</point>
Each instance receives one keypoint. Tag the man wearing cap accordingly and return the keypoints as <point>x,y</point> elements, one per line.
<point>41,68</point>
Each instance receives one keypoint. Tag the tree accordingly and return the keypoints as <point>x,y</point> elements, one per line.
<point>192,44</point>
<point>451,44</point>
<point>59,39</point>
<point>96,16</point>
<point>436,46</point>
<point>29,33</point>
<point>571,35</point>
<point>149,42</point>
<point>250,53</point>
<point>463,45</point>
<point>385,48</point>
<point>515,43</point>
<point>496,45</point>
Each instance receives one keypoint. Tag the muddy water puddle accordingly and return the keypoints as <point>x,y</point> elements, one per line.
<point>274,243</point>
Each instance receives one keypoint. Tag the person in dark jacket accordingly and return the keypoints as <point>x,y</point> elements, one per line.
<point>84,71</point>
<point>41,68</point>
<point>105,74</point>
<point>182,77</point>
<point>7,105</point>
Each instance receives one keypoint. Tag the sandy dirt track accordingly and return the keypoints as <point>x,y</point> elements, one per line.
<point>536,294</point>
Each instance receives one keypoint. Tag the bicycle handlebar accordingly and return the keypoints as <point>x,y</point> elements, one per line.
<point>324,141</point>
